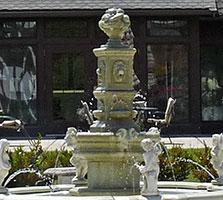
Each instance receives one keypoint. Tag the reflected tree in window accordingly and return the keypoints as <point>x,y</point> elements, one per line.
<point>168,77</point>
<point>17,29</point>
<point>18,83</point>
<point>167,28</point>
<point>212,83</point>
<point>69,80</point>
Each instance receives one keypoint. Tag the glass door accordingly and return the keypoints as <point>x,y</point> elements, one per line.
<point>68,83</point>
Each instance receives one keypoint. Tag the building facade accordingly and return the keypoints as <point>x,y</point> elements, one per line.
<point>47,65</point>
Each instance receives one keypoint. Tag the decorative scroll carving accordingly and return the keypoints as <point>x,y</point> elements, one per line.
<point>118,104</point>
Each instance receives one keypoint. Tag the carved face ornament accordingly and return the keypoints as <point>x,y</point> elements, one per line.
<point>147,144</point>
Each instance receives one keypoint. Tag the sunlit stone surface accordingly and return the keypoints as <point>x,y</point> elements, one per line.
<point>5,165</point>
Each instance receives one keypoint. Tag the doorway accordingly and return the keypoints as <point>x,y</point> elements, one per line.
<point>68,84</point>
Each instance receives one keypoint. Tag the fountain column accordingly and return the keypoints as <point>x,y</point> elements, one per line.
<point>115,91</point>
<point>113,139</point>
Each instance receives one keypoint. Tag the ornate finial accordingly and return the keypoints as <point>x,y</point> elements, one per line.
<point>114,23</point>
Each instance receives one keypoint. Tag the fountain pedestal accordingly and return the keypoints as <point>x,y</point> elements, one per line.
<point>110,169</point>
<point>114,92</point>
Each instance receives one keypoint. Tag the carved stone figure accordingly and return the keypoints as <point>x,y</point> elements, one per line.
<point>154,134</point>
<point>217,157</point>
<point>101,71</point>
<point>114,23</point>
<point>119,71</point>
<point>79,162</point>
<point>5,165</point>
<point>128,38</point>
<point>150,170</point>
<point>118,103</point>
<point>88,115</point>
<point>125,136</point>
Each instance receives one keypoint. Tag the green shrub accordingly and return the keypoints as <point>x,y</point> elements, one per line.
<point>170,166</point>
<point>176,163</point>
<point>36,159</point>
<point>185,164</point>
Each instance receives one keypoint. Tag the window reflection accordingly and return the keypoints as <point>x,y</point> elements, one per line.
<point>167,28</point>
<point>18,83</point>
<point>67,28</point>
<point>212,83</point>
<point>17,29</point>
<point>168,77</point>
<point>69,79</point>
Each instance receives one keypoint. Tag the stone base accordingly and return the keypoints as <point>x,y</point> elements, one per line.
<point>85,191</point>
<point>62,175</point>
<point>218,181</point>
<point>155,197</point>
<point>78,183</point>
<point>3,190</point>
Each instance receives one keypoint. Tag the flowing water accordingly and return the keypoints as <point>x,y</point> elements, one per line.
<point>170,163</point>
<point>197,164</point>
<point>23,171</point>
<point>57,158</point>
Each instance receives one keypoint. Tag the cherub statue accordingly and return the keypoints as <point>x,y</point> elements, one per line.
<point>217,157</point>
<point>5,165</point>
<point>79,162</point>
<point>150,170</point>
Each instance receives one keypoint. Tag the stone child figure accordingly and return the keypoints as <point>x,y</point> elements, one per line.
<point>77,161</point>
<point>217,157</point>
<point>5,165</point>
<point>150,170</point>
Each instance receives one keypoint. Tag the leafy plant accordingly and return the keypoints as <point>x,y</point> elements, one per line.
<point>176,163</point>
<point>37,159</point>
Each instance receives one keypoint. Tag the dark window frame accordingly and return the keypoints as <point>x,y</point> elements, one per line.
<point>8,20</point>
<point>192,40</point>
<point>210,41</point>
<point>169,36</point>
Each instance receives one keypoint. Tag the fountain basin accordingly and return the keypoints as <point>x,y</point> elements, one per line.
<point>110,163</point>
<point>168,191</point>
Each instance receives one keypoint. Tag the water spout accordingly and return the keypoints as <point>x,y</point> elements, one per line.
<point>170,163</point>
<point>197,164</point>
<point>29,170</point>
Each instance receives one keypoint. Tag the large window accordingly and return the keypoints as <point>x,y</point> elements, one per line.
<point>167,28</point>
<point>212,83</point>
<point>69,80</point>
<point>17,29</point>
<point>18,82</point>
<point>168,77</point>
<point>66,28</point>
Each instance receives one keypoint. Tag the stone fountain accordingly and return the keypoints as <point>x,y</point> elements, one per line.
<point>113,139</point>
<point>107,154</point>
